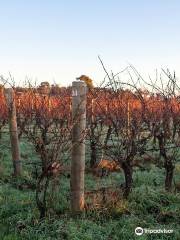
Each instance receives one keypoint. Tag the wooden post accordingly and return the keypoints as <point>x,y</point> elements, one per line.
<point>93,110</point>
<point>93,142</point>
<point>128,119</point>
<point>78,146</point>
<point>49,104</point>
<point>10,99</point>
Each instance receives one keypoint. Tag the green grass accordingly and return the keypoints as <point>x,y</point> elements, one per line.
<point>148,206</point>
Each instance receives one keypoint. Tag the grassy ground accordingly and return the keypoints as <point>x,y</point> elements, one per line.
<point>148,206</point>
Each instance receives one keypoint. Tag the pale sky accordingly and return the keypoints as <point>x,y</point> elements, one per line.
<point>51,40</point>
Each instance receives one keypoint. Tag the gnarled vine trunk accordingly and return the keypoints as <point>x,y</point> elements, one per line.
<point>168,163</point>
<point>128,173</point>
<point>169,174</point>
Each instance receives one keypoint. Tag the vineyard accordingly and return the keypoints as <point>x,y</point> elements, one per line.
<point>97,168</point>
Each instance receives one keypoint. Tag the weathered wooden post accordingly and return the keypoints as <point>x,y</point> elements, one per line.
<point>128,119</point>
<point>93,111</point>
<point>78,146</point>
<point>93,142</point>
<point>10,99</point>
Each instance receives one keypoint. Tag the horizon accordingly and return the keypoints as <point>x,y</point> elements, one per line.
<point>57,42</point>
